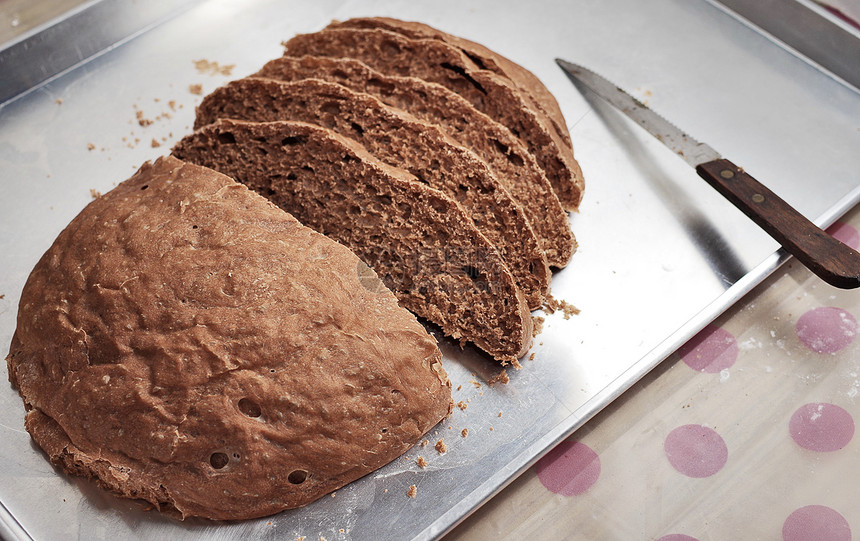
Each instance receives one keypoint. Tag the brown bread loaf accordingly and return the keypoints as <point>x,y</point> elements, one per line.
<point>403,141</point>
<point>418,240</point>
<point>188,343</point>
<point>483,57</point>
<point>436,61</point>
<point>508,159</point>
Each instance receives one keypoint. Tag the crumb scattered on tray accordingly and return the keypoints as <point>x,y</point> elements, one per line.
<point>155,143</point>
<point>412,492</point>
<point>501,377</point>
<point>58,101</point>
<point>95,193</point>
<point>141,120</point>
<point>464,432</point>
<point>421,462</point>
<point>475,382</point>
<point>424,443</point>
<point>441,448</point>
<point>551,305</point>
<point>196,89</point>
<point>91,146</point>
<point>213,68</point>
<point>532,356</point>
<point>462,405</point>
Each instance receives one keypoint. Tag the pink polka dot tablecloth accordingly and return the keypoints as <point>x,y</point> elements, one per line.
<point>747,432</point>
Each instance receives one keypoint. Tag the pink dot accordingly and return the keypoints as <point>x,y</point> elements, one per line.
<point>696,451</point>
<point>677,537</point>
<point>845,233</point>
<point>821,427</point>
<point>569,469</point>
<point>816,523</point>
<point>712,350</point>
<point>826,329</point>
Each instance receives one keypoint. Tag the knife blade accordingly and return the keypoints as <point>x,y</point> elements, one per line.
<point>833,261</point>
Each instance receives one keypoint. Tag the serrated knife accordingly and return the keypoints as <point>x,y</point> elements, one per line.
<point>830,259</point>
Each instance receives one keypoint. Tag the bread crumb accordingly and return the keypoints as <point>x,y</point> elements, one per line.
<point>196,89</point>
<point>551,305</point>
<point>172,105</point>
<point>141,120</point>
<point>464,432</point>
<point>213,68</point>
<point>532,356</point>
<point>424,443</point>
<point>459,387</point>
<point>412,492</point>
<point>441,448</point>
<point>421,462</point>
<point>91,146</point>
<point>155,143</point>
<point>95,194</point>
<point>500,377</point>
<point>2,296</point>
<point>475,383</point>
<point>500,414</point>
<point>58,101</point>
<point>462,405</point>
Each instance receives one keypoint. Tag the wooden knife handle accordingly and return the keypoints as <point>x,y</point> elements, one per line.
<point>833,261</point>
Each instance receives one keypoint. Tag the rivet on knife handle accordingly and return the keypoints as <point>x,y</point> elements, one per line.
<point>830,259</point>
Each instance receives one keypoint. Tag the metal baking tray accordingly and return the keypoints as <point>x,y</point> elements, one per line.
<point>661,254</point>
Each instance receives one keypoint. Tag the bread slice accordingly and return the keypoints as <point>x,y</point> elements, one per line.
<point>435,61</point>
<point>528,84</point>
<point>511,163</point>
<point>187,343</point>
<point>400,140</point>
<point>419,241</point>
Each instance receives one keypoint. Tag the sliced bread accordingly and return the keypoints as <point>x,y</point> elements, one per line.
<point>403,141</point>
<point>482,56</point>
<point>418,240</point>
<point>436,61</point>
<point>512,164</point>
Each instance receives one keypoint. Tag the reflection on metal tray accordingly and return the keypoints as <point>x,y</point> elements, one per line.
<point>660,253</point>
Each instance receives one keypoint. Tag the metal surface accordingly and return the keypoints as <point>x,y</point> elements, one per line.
<point>807,29</point>
<point>830,259</point>
<point>90,29</point>
<point>681,143</point>
<point>659,256</point>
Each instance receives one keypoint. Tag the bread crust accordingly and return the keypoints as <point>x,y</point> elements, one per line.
<point>186,342</point>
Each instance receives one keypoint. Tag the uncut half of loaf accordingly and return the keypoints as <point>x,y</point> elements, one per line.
<point>188,343</point>
<point>419,241</point>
